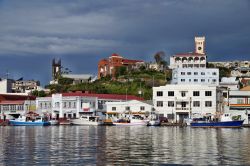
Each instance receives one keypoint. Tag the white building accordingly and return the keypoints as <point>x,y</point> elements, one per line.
<point>182,101</point>
<point>194,76</point>
<point>241,72</point>
<point>196,59</point>
<point>231,83</point>
<point>237,102</point>
<point>71,105</point>
<point>6,85</point>
<point>134,107</point>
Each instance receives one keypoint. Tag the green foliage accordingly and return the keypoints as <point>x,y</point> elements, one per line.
<point>65,81</point>
<point>38,93</point>
<point>122,70</point>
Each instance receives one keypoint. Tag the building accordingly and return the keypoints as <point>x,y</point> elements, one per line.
<point>232,64</point>
<point>25,86</point>
<point>56,71</point>
<point>108,67</point>
<point>6,85</point>
<point>196,59</point>
<point>132,107</point>
<point>178,102</point>
<point>11,106</point>
<point>72,105</point>
<point>237,102</point>
<point>241,72</point>
<point>79,78</point>
<point>194,76</point>
<point>230,83</point>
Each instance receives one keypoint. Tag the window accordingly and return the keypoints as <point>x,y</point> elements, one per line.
<point>195,73</point>
<point>225,94</point>
<point>69,104</point>
<point>240,101</point>
<point>182,80</point>
<point>127,108</point>
<point>202,80</point>
<point>190,80</point>
<point>196,93</point>
<point>196,104</point>
<point>142,108</point>
<point>159,93</point>
<point>208,93</point>
<point>183,104</point>
<point>41,105</point>
<point>170,103</point>
<point>113,108</point>
<point>183,94</point>
<point>170,93</point>
<point>64,104</point>
<point>214,80</point>
<point>202,73</point>
<point>214,73</point>
<point>195,80</point>
<point>182,73</point>
<point>159,103</point>
<point>74,104</point>
<point>208,103</point>
<point>188,73</point>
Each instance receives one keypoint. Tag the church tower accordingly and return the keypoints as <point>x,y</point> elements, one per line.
<point>56,69</point>
<point>200,45</point>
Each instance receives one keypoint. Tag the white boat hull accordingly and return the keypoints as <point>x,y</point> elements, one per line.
<point>84,122</point>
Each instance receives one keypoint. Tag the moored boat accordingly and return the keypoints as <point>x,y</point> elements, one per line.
<point>131,122</point>
<point>225,121</point>
<point>154,122</point>
<point>22,121</point>
<point>87,121</point>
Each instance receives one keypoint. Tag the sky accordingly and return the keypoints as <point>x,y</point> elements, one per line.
<point>81,32</point>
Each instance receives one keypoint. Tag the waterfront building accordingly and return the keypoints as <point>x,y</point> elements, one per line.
<point>178,102</point>
<point>72,105</point>
<point>194,76</point>
<point>133,107</point>
<point>11,106</point>
<point>237,102</point>
<point>196,59</point>
<point>108,67</point>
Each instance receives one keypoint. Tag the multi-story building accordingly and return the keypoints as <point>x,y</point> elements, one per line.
<point>237,102</point>
<point>23,86</point>
<point>11,106</point>
<point>72,105</point>
<point>194,76</point>
<point>178,102</point>
<point>241,72</point>
<point>230,83</point>
<point>133,107</point>
<point>196,59</point>
<point>108,67</point>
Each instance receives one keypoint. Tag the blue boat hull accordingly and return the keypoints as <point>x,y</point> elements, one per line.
<point>17,123</point>
<point>218,124</point>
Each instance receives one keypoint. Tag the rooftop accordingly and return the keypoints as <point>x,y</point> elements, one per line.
<point>104,96</point>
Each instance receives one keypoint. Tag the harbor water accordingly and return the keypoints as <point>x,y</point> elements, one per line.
<point>113,145</point>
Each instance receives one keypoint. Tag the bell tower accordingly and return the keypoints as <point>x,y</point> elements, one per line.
<point>56,69</point>
<point>200,45</point>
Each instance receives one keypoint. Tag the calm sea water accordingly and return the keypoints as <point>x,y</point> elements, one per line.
<point>111,145</point>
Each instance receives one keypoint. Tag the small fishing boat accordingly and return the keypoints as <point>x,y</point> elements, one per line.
<point>53,122</point>
<point>154,120</point>
<point>87,121</point>
<point>225,121</point>
<point>23,121</point>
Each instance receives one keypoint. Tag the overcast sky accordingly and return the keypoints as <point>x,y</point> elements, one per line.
<point>81,32</point>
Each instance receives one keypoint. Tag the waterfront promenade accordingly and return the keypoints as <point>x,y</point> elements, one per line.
<point>113,145</point>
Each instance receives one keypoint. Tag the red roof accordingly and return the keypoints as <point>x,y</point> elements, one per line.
<point>115,54</point>
<point>189,54</point>
<point>104,96</point>
<point>15,97</point>
<point>130,61</point>
<point>12,102</point>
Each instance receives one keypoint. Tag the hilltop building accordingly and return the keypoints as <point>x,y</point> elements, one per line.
<point>108,67</point>
<point>59,71</point>
<point>196,59</point>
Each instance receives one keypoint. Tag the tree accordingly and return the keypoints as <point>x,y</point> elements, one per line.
<point>160,59</point>
<point>121,70</point>
<point>65,81</point>
<point>38,93</point>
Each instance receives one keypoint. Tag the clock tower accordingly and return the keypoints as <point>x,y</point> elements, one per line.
<point>200,45</point>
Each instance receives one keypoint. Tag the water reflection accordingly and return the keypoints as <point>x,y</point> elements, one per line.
<point>92,145</point>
